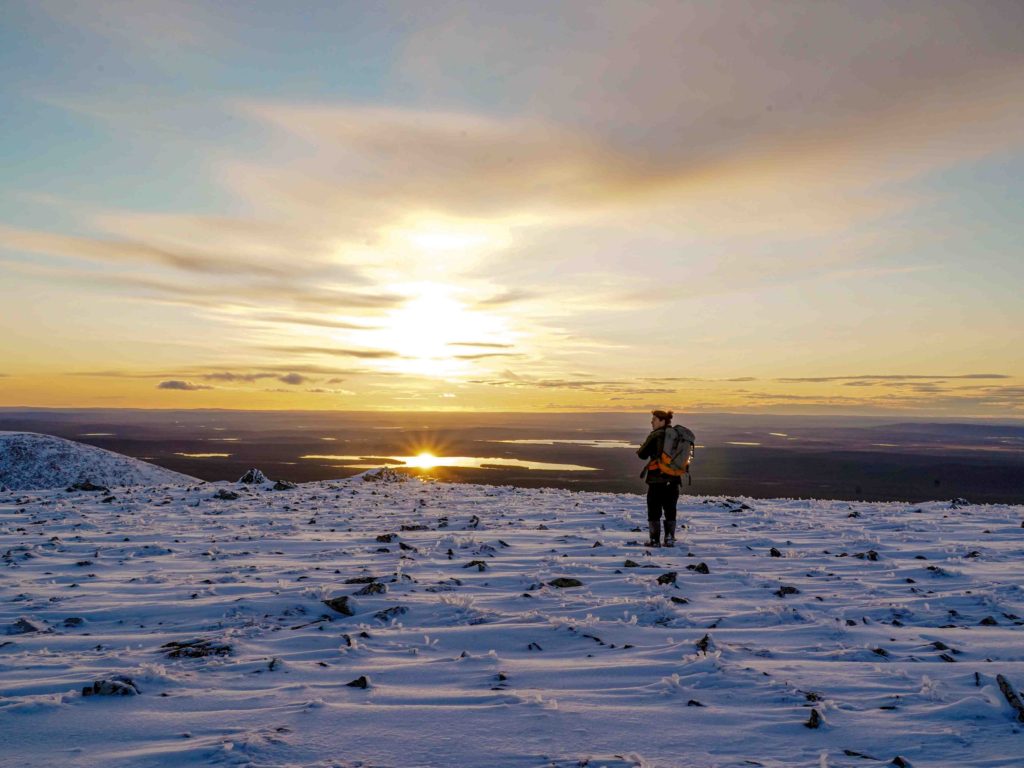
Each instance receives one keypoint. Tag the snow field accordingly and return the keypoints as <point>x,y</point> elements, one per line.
<point>889,621</point>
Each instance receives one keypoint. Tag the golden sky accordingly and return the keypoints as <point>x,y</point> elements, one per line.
<point>746,206</point>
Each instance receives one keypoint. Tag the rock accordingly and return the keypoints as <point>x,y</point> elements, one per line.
<point>85,485</point>
<point>196,649</point>
<point>284,485</point>
<point>225,495</point>
<point>630,564</point>
<point>359,682</point>
<point>361,580</point>
<point>786,589</point>
<point>699,568</point>
<point>668,578</point>
<point>25,627</point>
<point>373,588</point>
<point>679,600</point>
<point>390,613</point>
<point>119,685</point>
<point>384,475</point>
<point>869,555</point>
<point>341,605</point>
<point>564,583</point>
<point>73,621</point>
<point>694,703</point>
<point>479,564</point>
<point>774,552</point>
<point>704,644</point>
<point>386,538</point>
<point>989,621</point>
<point>814,721</point>
<point>253,477</point>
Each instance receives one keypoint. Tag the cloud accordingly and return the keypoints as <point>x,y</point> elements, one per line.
<point>518,381</point>
<point>184,386</point>
<point>292,378</point>
<point>228,376</point>
<point>481,344</point>
<point>485,355</point>
<point>862,379</point>
<point>366,354</point>
<point>744,75</point>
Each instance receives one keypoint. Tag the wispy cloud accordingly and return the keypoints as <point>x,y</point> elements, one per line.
<point>364,354</point>
<point>185,386</point>
<point>889,377</point>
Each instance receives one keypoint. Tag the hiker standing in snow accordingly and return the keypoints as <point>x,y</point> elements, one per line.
<point>662,489</point>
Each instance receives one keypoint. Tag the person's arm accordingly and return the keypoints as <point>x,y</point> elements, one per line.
<point>647,449</point>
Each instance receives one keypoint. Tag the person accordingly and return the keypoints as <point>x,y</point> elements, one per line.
<point>662,489</point>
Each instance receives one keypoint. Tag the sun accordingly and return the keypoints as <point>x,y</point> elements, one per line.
<point>423,460</point>
<point>427,331</point>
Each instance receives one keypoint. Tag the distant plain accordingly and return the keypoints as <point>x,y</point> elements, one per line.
<point>849,458</point>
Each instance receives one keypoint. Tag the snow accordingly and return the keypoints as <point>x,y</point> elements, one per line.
<point>489,665</point>
<point>32,460</point>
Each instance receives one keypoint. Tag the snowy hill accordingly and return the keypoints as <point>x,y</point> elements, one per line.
<point>31,460</point>
<point>408,623</point>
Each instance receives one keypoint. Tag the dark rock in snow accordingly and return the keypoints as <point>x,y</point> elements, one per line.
<point>390,613</point>
<point>786,589</point>
<point>196,649</point>
<point>253,477</point>
<point>73,621</point>
<point>284,485</point>
<point>774,552</point>
<point>85,485</point>
<point>814,721</point>
<point>119,685</point>
<point>668,578</point>
<point>373,588</point>
<point>359,682</point>
<point>564,583</point>
<point>341,605</point>
<point>25,627</point>
<point>225,495</point>
<point>699,568</point>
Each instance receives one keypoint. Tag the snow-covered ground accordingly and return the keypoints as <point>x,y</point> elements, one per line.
<point>32,460</point>
<point>886,624</point>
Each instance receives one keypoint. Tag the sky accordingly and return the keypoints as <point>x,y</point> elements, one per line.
<point>787,207</point>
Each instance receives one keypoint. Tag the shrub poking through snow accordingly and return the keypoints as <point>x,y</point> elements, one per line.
<point>119,685</point>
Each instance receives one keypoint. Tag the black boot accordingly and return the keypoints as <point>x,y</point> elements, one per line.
<point>670,533</point>
<point>654,526</point>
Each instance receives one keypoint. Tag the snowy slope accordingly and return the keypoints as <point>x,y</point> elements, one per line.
<point>31,460</point>
<point>891,622</point>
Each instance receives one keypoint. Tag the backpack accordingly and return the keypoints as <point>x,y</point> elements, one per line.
<point>677,452</point>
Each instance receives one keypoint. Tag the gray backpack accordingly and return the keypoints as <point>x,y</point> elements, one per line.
<point>677,452</point>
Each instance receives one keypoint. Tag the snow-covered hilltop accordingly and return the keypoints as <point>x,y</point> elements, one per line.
<point>32,461</point>
<point>409,623</point>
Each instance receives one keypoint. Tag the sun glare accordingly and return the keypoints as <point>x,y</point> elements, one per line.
<point>427,329</point>
<point>423,460</point>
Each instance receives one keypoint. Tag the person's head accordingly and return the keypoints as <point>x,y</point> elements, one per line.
<point>660,419</point>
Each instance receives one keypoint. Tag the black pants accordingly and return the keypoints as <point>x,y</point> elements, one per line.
<point>662,497</point>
